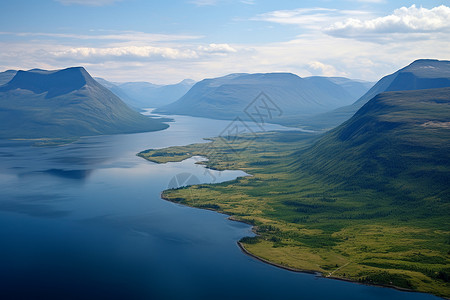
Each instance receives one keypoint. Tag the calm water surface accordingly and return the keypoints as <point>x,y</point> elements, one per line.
<point>86,221</point>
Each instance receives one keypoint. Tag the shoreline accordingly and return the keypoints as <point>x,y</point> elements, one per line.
<point>304,271</point>
<point>321,275</point>
<point>245,251</point>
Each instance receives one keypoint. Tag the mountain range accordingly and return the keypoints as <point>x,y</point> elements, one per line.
<point>420,74</point>
<point>291,96</point>
<point>64,103</point>
<point>314,102</point>
<point>147,95</point>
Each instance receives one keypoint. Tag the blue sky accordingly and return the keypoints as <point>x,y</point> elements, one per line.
<point>167,41</point>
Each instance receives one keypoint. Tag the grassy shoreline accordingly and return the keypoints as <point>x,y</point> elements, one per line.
<point>319,274</point>
<point>305,271</point>
<point>360,243</point>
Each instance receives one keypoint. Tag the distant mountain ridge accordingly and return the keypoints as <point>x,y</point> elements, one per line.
<point>420,74</point>
<point>65,103</point>
<point>148,95</point>
<point>119,93</point>
<point>356,88</point>
<point>6,76</point>
<point>227,97</point>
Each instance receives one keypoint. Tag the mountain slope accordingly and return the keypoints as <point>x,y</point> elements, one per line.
<point>118,92</point>
<point>421,74</point>
<point>65,103</point>
<point>398,141</point>
<point>290,96</point>
<point>354,88</point>
<point>148,95</point>
<point>6,76</point>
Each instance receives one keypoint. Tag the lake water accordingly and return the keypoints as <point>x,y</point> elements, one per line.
<point>86,221</point>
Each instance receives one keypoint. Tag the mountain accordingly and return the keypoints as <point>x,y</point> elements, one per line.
<point>397,142</point>
<point>148,95</point>
<point>421,74</point>
<point>6,76</point>
<point>65,103</point>
<point>113,87</point>
<point>287,95</point>
<point>355,88</point>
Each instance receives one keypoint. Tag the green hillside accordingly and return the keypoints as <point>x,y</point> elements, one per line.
<point>399,140</point>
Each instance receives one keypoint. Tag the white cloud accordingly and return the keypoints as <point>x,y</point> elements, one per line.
<point>217,49</point>
<point>132,51</point>
<point>87,2</point>
<point>404,20</point>
<point>312,18</point>
<point>323,69</point>
<point>296,16</point>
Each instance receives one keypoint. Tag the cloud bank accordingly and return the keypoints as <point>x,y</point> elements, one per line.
<point>404,20</point>
<point>142,52</point>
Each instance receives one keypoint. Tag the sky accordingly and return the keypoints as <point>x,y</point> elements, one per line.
<point>167,41</point>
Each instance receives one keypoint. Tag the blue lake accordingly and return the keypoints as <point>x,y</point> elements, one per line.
<point>86,221</point>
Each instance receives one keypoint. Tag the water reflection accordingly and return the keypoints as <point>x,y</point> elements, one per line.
<point>33,205</point>
<point>70,174</point>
